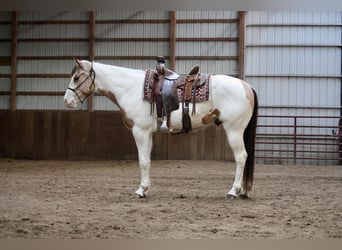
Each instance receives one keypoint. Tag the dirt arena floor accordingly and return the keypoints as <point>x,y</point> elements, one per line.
<point>74,199</point>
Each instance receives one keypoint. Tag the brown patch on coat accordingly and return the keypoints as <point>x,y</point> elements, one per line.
<point>127,122</point>
<point>249,93</point>
<point>208,118</point>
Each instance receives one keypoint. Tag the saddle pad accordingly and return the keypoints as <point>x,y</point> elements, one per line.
<point>202,92</point>
<point>148,84</point>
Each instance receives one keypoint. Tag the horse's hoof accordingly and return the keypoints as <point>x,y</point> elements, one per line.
<point>140,193</point>
<point>243,196</point>
<point>230,196</point>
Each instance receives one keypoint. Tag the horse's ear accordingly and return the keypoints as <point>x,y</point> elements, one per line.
<point>79,63</point>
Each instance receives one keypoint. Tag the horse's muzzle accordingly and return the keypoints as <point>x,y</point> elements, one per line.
<point>69,101</point>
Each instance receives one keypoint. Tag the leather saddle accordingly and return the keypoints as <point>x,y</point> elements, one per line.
<point>167,86</point>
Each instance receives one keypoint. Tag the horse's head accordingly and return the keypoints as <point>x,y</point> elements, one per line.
<point>82,83</point>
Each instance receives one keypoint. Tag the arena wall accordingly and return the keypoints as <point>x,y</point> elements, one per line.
<point>291,58</point>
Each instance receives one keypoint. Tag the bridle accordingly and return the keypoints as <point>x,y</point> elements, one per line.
<point>91,75</point>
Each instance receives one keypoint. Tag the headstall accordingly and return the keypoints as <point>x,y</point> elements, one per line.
<point>91,88</point>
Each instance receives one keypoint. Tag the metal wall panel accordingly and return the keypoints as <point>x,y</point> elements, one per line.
<point>5,51</point>
<point>207,48</point>
<point>132,49</point>
<point>299,60</point>
<point>297,92</point>
<point>41,84</point>
<point>45,49</point>
<point>293,60</point>
<point>224,14</point>
<point>137,50</point>
<point>56,48</point>
<point>293,35</point>
<point>103,103</point>
<point>209,66</point>
<point>5,30</point>
<point>42,103</point>
<point>293,17</point>
<point>130,15</point>
<point>154,25</point>
<point>44,66</point>
<point>53,31</point>
<point>5,85</point>
<point>53,15</point>
<point>5,16</point>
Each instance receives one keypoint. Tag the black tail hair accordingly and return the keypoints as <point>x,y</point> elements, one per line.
<point>249,141</point>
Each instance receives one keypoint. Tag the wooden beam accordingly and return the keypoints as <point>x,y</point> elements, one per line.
<point>207,39</point>
<point>13,103</point>
<point>5,40</point>
<point>207,20</point>
<point>132,21</point>
<point>242,29</point>
<point>51,57</point>
<point>46,40</point>
<point>5,61</point>
<point>2,75</point>
<point>91,52</point>
<point>173,40</point>
<point>54,22</point>
<point>34,93</point>
<point>132,39</point>
<point>91,35</point>
<point>128,57</point>
<point>40,75</point>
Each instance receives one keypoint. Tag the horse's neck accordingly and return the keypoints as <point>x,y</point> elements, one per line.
<point>117,81</point>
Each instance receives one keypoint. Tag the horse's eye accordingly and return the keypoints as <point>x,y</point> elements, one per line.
<point>76,79</point>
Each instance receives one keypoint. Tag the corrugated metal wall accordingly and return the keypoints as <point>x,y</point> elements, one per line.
<point>5,52</point>
<point>213,44</point>
<point>47,41</point>
<point>38,43</point>
<point>293,60</point>
<point>130,39</point>
<point>134,39</point>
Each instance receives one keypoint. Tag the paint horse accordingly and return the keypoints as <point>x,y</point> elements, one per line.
<point>231,101</point>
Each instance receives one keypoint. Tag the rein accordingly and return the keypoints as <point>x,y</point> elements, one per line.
<point>92,76</point>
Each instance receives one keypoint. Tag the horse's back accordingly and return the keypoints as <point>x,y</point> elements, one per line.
<point>229,86</point>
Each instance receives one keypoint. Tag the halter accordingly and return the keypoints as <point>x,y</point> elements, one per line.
<point>91,75</point>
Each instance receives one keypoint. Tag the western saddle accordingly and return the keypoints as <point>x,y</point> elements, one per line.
<point>165,93</point>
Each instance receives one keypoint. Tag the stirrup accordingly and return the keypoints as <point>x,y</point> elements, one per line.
<point>163,127</point>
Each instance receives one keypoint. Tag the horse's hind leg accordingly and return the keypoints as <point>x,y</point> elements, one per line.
<point>236,142</point>
<point>143,140</point>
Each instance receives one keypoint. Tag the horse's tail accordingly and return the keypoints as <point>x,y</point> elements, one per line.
<point>249,140</point>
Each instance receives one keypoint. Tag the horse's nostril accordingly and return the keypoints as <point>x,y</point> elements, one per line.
<point>68,103</point>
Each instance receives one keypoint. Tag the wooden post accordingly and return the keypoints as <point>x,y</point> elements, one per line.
<point>242,27</point>
<point>173,40</point>
<point>91,53</point>
<point>14,61</point>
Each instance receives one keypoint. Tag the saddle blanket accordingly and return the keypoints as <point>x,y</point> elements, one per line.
<point>202,91</point>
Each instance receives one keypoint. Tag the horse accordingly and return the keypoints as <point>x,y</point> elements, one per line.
<point>232,101</point>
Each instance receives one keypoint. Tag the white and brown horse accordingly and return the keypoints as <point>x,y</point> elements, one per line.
<point>231,100</point>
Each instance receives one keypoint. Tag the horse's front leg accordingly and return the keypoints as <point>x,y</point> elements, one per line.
<point>143,140</point>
